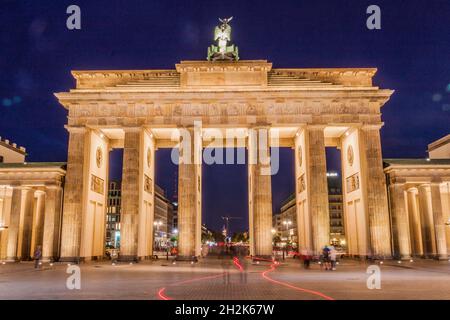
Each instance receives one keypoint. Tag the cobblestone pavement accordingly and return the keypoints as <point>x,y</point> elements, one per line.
<point>216,279</point>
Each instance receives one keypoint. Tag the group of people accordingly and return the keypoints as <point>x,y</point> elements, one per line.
<point>327,259</point>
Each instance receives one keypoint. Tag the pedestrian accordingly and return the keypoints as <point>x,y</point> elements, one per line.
<point>333,255</point>
<point>37,257</point>
<point>306,258</point>
<point>326,257</point>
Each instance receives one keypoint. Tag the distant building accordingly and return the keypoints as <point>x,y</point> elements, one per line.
<point>163,218</point>
<point>440,149</point>
<point>10,152</point>
<point>285,222</point>
<point>113,215</point>
<point>335,198</point>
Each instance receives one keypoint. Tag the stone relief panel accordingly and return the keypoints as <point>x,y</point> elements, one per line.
<point>97,184</point>
<point>148,184</point>
<point>301,185</point>
<point>352,182</point>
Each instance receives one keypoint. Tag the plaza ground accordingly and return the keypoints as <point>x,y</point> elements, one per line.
<point>420,279</point>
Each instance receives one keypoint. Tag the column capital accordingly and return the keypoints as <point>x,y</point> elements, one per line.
<point>395,181</point>
<point>53,186</point>
<point>436,181</point>
<point>73,129</point>
<point>315,127</point>
<point>372,126</point>
<point>132,129</point>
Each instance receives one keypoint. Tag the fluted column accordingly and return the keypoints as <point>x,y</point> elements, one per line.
<point>260,198</point>
<point>130,196</point>
<point>14,221</point>
<point>317,187</point>
<point>400,220</point>
<point>4,220</point>
<point>377,205</point>
<point>38,220</point>
<point>26,224</point>
<point>414,223</point>
<point>73,196</point>
<point>439,221</point>
<point>189,206</point>
<point>426,212</point>
<point>52,219</point>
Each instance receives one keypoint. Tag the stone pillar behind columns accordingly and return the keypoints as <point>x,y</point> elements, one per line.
<point>73,196</point>
<point>317,187</point>
<point>130,196</point>
<point>400,221</point>
<point>439,222</point>
<point>187,196</point>
<point>26,225</point>
<point>14,221</point>
<point>414,223</point>
<point>52,217</point>
<point>6,213</point>
<point>38,221</point>
<point>261,191</point>
<point>377,205</point>
<point>426,212</point>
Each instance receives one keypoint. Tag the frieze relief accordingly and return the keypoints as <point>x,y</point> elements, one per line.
<point>321,111</point>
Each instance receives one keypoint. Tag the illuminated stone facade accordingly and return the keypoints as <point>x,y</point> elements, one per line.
<point>138,110</point>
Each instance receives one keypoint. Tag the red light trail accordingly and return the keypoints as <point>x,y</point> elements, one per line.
<point>272,268</point>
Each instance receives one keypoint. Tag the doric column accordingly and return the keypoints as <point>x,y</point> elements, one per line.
<point>377,204</point>
<point>38,220</point>
<point>414,223</point>
<point>400,221</point>
<point>439,221</point>
<point>260,197</point>
<point>26,224</point>
<point>189,188</point>
<point>73,195</point>
<point>14,221</point>
<point>130,196</point>
<point>4,220</point>
<point>52,220</point>
<point>426,212</point>
<point>317,187</point>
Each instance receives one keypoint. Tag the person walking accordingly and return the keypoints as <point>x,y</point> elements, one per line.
<point>306,258</point>
<point>333,255</point>
<point>326,257</point>
<point>37,257</point>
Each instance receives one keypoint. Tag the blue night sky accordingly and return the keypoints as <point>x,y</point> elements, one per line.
<point>37,52</point>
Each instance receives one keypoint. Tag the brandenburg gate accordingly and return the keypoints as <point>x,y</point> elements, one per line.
<point>138,110</point>
<point>303,109</point>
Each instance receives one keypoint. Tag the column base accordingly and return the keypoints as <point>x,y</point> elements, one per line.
<point>49,259</point>
<point>187,258</point>
<point>262,257</point>
<point>11,259</point>
<point>442,257</point>
<point>76,260</point>
<point>128,258</point>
